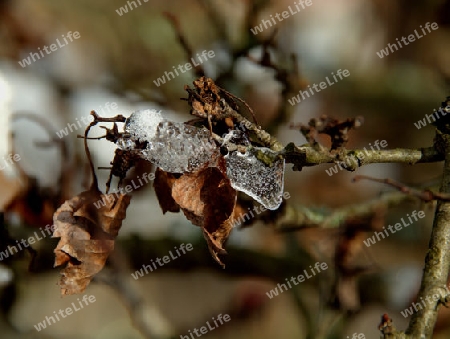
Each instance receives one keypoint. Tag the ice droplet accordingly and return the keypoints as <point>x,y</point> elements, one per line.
<point>172,146</point>
<point>252,176</point>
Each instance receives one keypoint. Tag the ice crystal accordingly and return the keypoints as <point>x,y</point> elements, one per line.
<point>142,124</point>
<point>172,146</point>
<point>250,175</point>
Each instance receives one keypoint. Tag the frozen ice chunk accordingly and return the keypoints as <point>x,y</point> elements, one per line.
<point>252,176</point>
<point>172,146</point>
<point>142,124</point>
<point>180,148</point>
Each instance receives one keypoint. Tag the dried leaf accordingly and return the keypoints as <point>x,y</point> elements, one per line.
<point>34,205</point>
<point>163,187</point>
<point>208,200</point>
<point>87,236</point>
<point>205,98</point>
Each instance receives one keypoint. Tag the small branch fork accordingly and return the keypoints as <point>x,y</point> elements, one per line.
<point>110,135</point>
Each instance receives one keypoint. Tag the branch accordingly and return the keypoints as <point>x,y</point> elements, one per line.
<point>426,195</point>
<point>437,261</point>
<point>304,156</point>
<point>300,217</point>
<point>211,102</point>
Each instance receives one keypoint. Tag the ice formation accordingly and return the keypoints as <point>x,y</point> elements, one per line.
<point>252,176</point>
<point>172,146</point>
<point>179,148</point>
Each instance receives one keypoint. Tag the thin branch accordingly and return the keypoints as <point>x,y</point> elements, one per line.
<point>424,195</point>
<point>437,261</point>
<point>304,156</point>
<point>300,217</point>
<point>199,71</point>
<point>206,102</point>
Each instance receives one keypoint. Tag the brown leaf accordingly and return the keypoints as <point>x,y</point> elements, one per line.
<point>205,98</point>
<point>207,200</point>
<point>217,238</point>
<point>32,204</point>
<point>87,236</point>
<point>163,188</point>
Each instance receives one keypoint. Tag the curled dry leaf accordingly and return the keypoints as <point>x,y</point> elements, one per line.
<point>206,199</point>
<point>205,98</point>
<point>87,236</point>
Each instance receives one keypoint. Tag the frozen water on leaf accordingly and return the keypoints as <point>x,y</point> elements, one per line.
<point>172,146</point>
<point>142,124</point>
<point>179,148</point>
<point>252,176</point>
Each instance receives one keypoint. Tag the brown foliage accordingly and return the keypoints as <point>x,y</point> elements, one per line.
<point>206,199</point>
<point>87,236</point>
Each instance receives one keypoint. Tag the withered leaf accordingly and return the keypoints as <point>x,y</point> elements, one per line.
<point>163,186</point>
<point>207,200</point>
<point>87,236</point>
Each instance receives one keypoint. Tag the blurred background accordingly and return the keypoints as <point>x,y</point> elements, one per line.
<point>112,68</point>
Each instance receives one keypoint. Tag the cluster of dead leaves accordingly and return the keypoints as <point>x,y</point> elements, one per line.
<point>87,233</point>
<point>88,224</point>
<point>206,197</point>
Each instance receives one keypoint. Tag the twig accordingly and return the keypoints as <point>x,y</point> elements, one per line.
<point>97,119</point>
<point>54,140</point>
<point>199,71</point>
<point>300,217</point>
<point>94,184</point>
<point>303,156</point>
<point>425,195</point>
